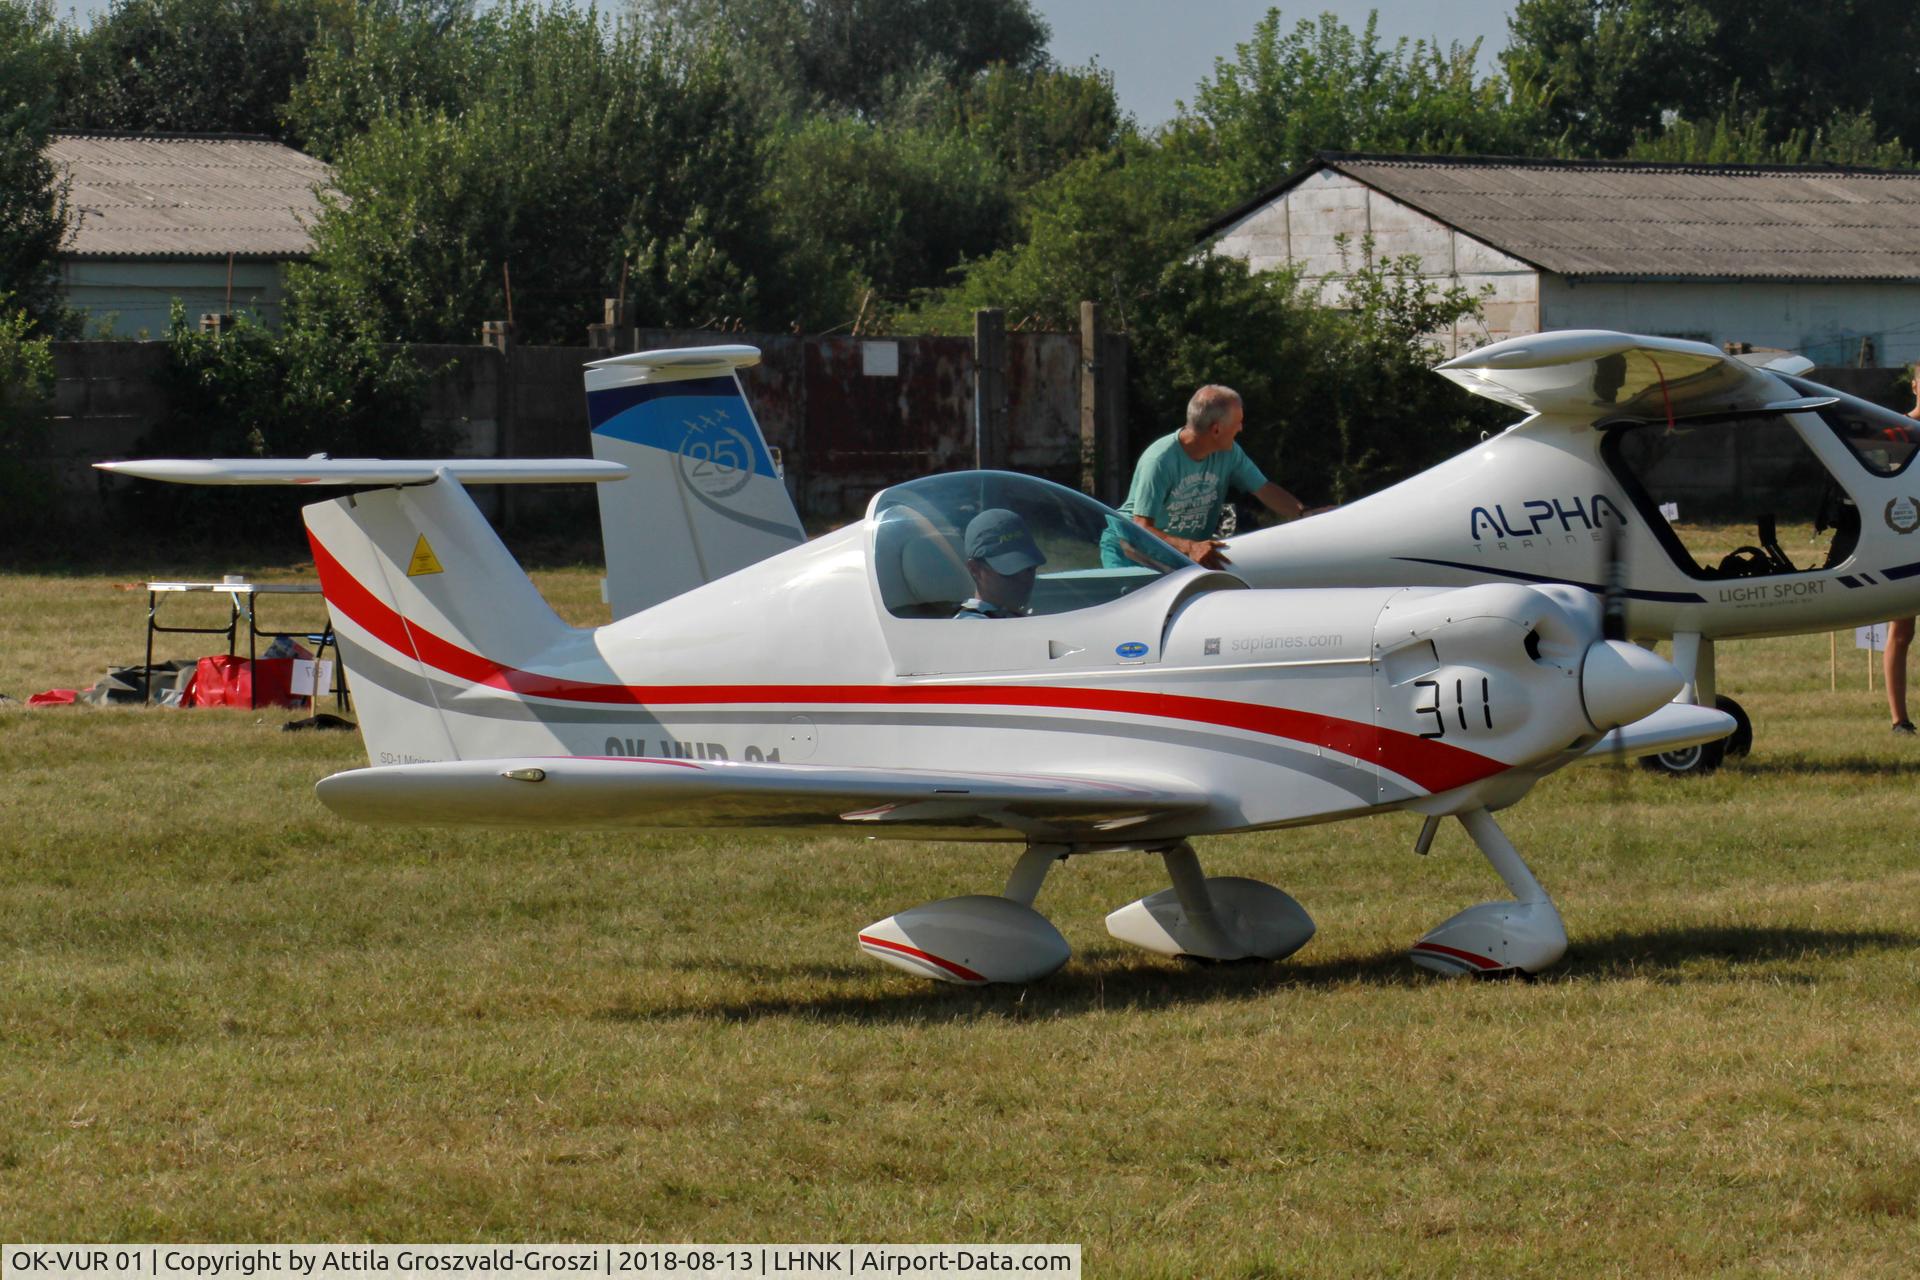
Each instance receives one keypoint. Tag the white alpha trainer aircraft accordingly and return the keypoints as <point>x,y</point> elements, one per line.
<point>859,682</point>
<point>1621,433</point>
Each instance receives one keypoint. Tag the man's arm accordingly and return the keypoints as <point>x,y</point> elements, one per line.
<point>1202,551</point>
<point>1280,502</point>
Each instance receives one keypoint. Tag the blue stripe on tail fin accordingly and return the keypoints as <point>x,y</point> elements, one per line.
<point>704,497</point>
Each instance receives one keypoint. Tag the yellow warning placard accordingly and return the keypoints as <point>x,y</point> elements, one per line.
<point>423,559</point>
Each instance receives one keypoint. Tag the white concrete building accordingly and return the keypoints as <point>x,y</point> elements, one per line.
<point>1822,261</point>
<point>210,220</point>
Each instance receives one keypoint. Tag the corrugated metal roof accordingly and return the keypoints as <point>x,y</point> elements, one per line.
<point>1722,222</point>
<point>175,196</point>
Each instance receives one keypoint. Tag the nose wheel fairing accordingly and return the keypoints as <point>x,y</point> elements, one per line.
<point>1524,935</point>
<point>1493,938</point>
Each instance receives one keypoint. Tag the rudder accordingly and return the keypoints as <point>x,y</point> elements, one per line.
<point>703,497</point>
<point>426,602</point>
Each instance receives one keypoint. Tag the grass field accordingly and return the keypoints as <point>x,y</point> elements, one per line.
<point>225,1015</point>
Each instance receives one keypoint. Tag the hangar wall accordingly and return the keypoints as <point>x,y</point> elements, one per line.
<point>1832,323</point>
<point>133,297</point>
<point>1306,225</point>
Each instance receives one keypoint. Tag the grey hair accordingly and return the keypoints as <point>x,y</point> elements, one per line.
<point>1210,404</point>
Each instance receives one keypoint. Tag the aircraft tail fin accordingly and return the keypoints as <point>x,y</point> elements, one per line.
<point>427,604</point>
<point>703,497</point>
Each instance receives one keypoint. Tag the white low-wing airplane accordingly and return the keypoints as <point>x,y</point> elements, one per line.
<point>1619,427</point>
<point>861,682</point>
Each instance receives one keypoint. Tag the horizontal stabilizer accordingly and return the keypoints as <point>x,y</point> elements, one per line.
<point>690,362</point>
<point>1676,725</point>
<point>1596,372</point>
<point>367,471</point>
<point>613,792</point>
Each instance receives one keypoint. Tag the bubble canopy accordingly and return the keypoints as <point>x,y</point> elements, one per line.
<point>926,533</point>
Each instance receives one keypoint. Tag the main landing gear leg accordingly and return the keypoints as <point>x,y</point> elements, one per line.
<point>1212,917</point>
<point>979,938</point>
<point>1524,935</point>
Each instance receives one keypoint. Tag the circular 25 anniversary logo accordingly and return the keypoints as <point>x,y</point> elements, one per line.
<point>716,462</point>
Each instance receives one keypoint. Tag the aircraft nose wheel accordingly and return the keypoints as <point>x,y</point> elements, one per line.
<point>1495,938</point>
<point>1698,761</point>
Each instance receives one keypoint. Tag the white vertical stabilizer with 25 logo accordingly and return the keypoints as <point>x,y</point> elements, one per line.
<point>703,496</point>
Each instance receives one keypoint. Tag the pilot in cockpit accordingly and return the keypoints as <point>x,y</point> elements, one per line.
<point>1003,559</point>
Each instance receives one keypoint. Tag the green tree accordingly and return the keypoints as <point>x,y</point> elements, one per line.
<point>1036,121</point>
<point>26,403</point>
<point>1611,71</point>
<point>1287,94</point>
<point>855,55</point>
<point>582,156</point>
<point>1607,70</point>
<point>1382,410</point>
<point>1733,138</point>
<point>860,207</point>
<point>389,57</point>
<point>33,206</point>
<point>191,66</point>
<point>1102,230</point>
<point>319,384</point>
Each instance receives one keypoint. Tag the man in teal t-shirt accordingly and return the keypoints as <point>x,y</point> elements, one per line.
<point>1182,482</point>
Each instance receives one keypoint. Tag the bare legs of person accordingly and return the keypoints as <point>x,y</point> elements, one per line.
<point>1899,636</point>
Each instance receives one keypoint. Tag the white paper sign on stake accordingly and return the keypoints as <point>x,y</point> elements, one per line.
<point>311,679</point>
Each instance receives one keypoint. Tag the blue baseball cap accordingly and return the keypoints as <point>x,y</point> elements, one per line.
<point>999,537</point>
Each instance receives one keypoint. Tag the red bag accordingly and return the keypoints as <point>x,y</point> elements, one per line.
<point>235,682</point>
<point>54,698</point>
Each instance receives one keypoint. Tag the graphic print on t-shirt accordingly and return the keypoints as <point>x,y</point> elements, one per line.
<point>1192,504</point>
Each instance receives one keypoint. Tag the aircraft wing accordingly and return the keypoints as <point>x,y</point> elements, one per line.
<point>367,471</point>
<point>633,793</point>
<point>1595,373</point>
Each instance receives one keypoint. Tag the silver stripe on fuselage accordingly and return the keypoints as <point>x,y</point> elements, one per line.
<point>434,693</point>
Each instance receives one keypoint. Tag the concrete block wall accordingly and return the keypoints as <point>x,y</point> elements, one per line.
<point>844,425</point>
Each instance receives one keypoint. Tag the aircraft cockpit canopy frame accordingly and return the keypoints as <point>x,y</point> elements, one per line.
<point>1785,474</point>
<point>1882,441</point>
<point>1093,561</point>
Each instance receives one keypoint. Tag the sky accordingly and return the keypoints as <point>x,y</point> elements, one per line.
<point>1158,50</point>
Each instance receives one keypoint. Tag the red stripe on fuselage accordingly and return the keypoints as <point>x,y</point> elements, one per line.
<point>1435,766</point>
